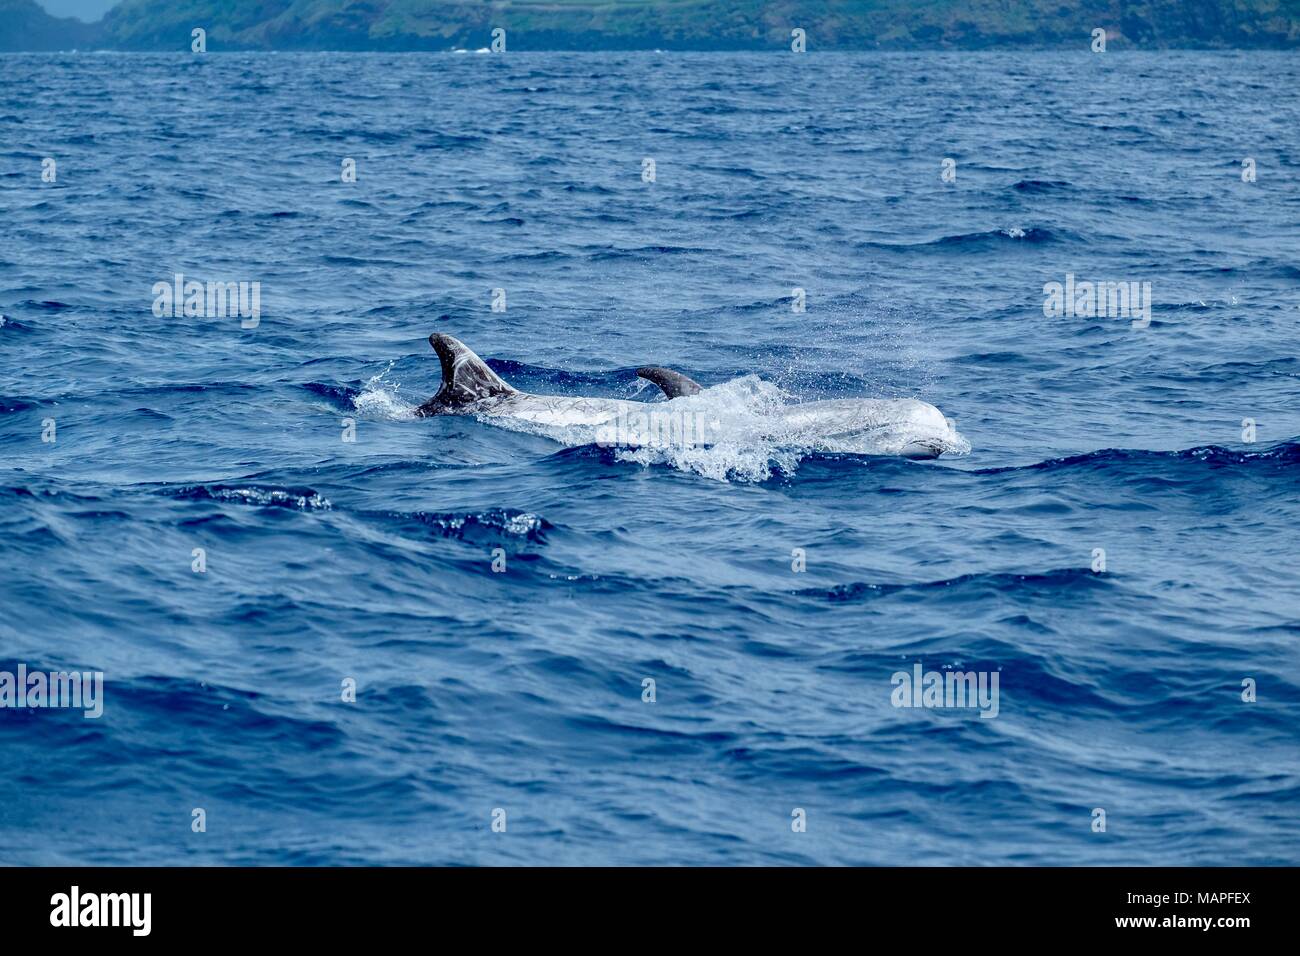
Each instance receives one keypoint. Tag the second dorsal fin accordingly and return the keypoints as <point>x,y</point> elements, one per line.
<point>674,384</point>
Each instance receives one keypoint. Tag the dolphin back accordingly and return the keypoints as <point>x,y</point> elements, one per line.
<point>466,379</point>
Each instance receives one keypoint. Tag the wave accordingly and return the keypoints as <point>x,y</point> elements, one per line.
<point>46,305</point>
<point>1067,579</point>
<point>489,525</point>
<point>12,325</point>
<point>15,404</point>
<point>268,496</point>
<point>1041,186</point>
<point>229,711</point>
<point>339,395</point>
<point>611,253</point>
<point>1285,453</point>
<point>989,238</point>
<point>1283,457</point>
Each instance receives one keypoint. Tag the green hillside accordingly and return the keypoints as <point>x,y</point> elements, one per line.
<point>672,24</point>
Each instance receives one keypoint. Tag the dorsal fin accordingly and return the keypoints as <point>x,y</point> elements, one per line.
<point>466,379</point>
<point>674,384</point>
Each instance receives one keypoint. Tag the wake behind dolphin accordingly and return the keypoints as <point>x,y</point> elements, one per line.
<point>746,411</point>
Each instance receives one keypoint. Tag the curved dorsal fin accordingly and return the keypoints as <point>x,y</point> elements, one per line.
<point>466,378</point>
<point>674,384</point>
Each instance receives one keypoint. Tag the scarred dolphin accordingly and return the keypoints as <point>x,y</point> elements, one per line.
<point>905,427</point>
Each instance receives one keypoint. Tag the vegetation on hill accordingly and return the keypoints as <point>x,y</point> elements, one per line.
<point>668,24</point>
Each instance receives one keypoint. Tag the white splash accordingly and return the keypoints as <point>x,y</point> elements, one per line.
<point>379,399</point>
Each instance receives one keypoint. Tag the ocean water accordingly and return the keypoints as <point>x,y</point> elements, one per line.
<point>517,694</point>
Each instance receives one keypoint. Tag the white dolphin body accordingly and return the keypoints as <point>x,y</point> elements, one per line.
<point>906,427</point>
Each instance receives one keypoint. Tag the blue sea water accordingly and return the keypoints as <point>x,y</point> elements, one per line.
<point>522,690</point>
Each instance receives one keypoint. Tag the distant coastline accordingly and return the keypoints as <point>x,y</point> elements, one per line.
<point>230,25</point>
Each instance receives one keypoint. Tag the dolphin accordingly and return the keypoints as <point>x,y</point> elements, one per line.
<point>918,430</point>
